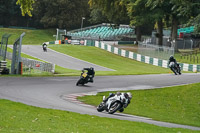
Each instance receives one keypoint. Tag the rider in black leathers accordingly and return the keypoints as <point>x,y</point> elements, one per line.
<point>91,73</point>
<point>172,59</point>
<point>44,46</point>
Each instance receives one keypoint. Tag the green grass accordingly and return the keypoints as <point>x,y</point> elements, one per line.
<point>179,104</point>
<point>60,71</point>
<point>122,65</point>
<point>190,59</point>
<point>20,118</point>
<point>32,36</point>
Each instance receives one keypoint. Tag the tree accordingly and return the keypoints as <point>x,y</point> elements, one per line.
<point>10,14</point>
<point>114,10</point>
<point>140,15</point>
<point>5,11</point>
<point>96,16</point>
<point>26,6</point>
<point>162,11</point>
<point>62,13</point>
<point>189,9</point>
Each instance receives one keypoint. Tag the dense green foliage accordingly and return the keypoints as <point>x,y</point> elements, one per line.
<point>26,6</point>
<point>61,13</point>
<point>180,104</point>
<point>142,12</point>
<point>68,14</point>
<point>10,14</point>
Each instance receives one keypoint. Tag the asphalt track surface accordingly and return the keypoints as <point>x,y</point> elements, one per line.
<point>60,59</point>
<point>61,92</point>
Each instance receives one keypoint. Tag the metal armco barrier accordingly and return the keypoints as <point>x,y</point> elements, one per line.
<point>2,65</point>
<point>33,64</point>
<point>16,56</point>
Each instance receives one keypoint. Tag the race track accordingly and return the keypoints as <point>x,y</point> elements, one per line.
<point>60,92</point>
<point>60,59</point>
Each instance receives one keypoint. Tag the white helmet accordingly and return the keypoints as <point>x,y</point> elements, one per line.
<point>129,95</point>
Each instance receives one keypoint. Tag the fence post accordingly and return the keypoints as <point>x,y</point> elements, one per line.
<point>16,57</point>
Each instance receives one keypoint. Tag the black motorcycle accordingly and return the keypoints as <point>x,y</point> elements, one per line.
<point>44,46</point>
<point>175,68</point>
<point>84,78</point>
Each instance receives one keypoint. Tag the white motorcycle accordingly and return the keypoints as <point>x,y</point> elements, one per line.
<point>175,68</point>
<point>113,104</point>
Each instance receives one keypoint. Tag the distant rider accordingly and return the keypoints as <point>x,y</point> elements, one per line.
<point>44,46</point>
<point>91,73</point>
<point>172,59</point>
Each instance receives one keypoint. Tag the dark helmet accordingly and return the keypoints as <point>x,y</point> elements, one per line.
<point>91,68</point>
<point>171,57</point>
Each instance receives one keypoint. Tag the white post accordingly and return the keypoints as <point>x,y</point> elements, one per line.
<point>82,25</point>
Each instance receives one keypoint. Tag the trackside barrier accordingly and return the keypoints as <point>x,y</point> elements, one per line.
<point>145,59</point>
<point>3,65</point>
<point>30,64</point>
<point>138,57</point>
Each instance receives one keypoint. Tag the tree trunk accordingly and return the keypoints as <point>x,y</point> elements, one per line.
<point>174,32</point>
<point>138,34</point>
<point>160,32</point>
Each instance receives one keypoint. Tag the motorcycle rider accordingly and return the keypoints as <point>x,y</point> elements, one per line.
<point>44,46</point>
<point>172,59</point>
<point>127,95</point>
<point>91,73</point>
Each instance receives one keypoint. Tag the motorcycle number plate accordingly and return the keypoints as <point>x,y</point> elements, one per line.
<point>84,75</point>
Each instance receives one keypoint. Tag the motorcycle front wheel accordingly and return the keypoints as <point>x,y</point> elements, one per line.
<point>79,82</point>
<point>100,108</point>
<point>114,107</point>
<point>179,70</point>
<point>174,70</point>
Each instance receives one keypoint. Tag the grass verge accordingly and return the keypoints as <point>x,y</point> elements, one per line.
<point>179,104</point>
<point>20,118</point>
<point>122,65</point>
<point>32,36</point>
<point>190,59</point>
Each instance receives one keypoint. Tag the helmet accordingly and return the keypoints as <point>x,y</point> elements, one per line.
<point>91,68</point>
<point>171,57</point>
<point>129,95</point>
<point>118,93</point>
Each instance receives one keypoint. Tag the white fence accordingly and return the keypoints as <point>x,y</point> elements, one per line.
<point>156,51</point>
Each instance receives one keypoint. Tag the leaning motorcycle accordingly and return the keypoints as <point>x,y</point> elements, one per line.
<point>175,68</point>
<point>84,78</point>
<point>113,104</point>
<point>44,48</point>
